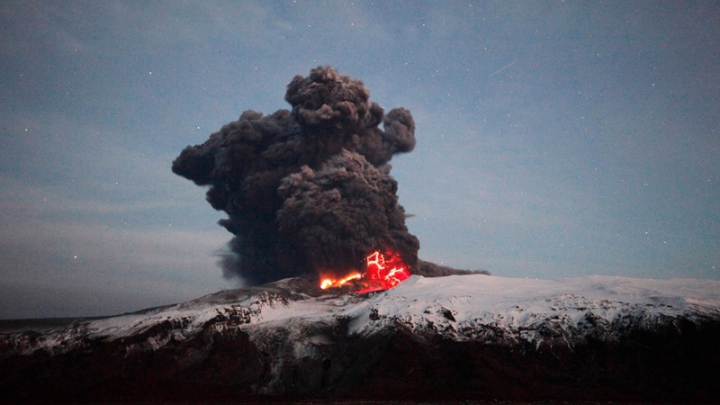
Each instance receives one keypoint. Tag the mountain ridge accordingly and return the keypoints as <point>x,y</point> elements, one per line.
<point>471,336</point>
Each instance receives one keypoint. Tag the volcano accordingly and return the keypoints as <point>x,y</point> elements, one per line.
<point>476,337</point>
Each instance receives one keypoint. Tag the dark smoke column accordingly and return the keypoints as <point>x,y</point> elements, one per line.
<point>307,190</point>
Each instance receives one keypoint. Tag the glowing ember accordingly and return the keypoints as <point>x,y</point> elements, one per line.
<point>331,283</point>
<point>383,271</point>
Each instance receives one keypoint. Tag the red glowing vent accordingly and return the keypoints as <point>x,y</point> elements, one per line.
<point>383,271</point>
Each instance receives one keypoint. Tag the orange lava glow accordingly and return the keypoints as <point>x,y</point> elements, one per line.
<point>383,271</point>
<point>332,283</point>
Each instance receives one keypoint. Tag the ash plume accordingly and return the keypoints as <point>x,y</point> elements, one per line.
<point>307,190</point>
<point>429,269</point>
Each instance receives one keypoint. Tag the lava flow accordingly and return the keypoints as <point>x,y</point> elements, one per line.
<point>383,271</point>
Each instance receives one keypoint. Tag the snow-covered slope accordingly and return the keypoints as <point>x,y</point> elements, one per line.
<point>291,327</point>
<point>481,307</point>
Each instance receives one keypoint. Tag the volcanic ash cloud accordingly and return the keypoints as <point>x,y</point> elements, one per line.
<point>307,191</point>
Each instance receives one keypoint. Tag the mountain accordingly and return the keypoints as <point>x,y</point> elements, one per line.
<point>474,337</point>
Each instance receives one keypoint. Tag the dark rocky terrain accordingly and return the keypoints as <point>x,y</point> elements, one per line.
<point>453,338</point>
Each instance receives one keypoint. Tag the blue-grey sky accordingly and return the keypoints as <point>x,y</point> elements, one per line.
<point>554,139</point>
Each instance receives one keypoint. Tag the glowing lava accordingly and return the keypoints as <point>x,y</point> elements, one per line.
<point>383,271</point>
<point>333,283</point>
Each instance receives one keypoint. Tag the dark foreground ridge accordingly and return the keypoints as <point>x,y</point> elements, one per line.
<point>288,341</point>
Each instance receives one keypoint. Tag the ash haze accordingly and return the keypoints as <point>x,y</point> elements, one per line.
<point>554,139</point>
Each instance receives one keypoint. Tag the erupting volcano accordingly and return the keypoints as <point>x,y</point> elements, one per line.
<point>309,191</point>
<point>383,271</point>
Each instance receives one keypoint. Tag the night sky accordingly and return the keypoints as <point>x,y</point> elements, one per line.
<point>554,139</point>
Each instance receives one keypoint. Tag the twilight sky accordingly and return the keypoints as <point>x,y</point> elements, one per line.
<point>555,139</point>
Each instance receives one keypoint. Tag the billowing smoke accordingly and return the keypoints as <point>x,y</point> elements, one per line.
<point>307,190</point>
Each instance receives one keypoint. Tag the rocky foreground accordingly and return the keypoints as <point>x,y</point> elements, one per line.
<point>472,337</point>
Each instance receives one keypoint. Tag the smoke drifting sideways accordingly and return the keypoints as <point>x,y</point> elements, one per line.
<point>307,191</point>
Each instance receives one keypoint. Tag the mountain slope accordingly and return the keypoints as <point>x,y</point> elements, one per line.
<point>473,336</point>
